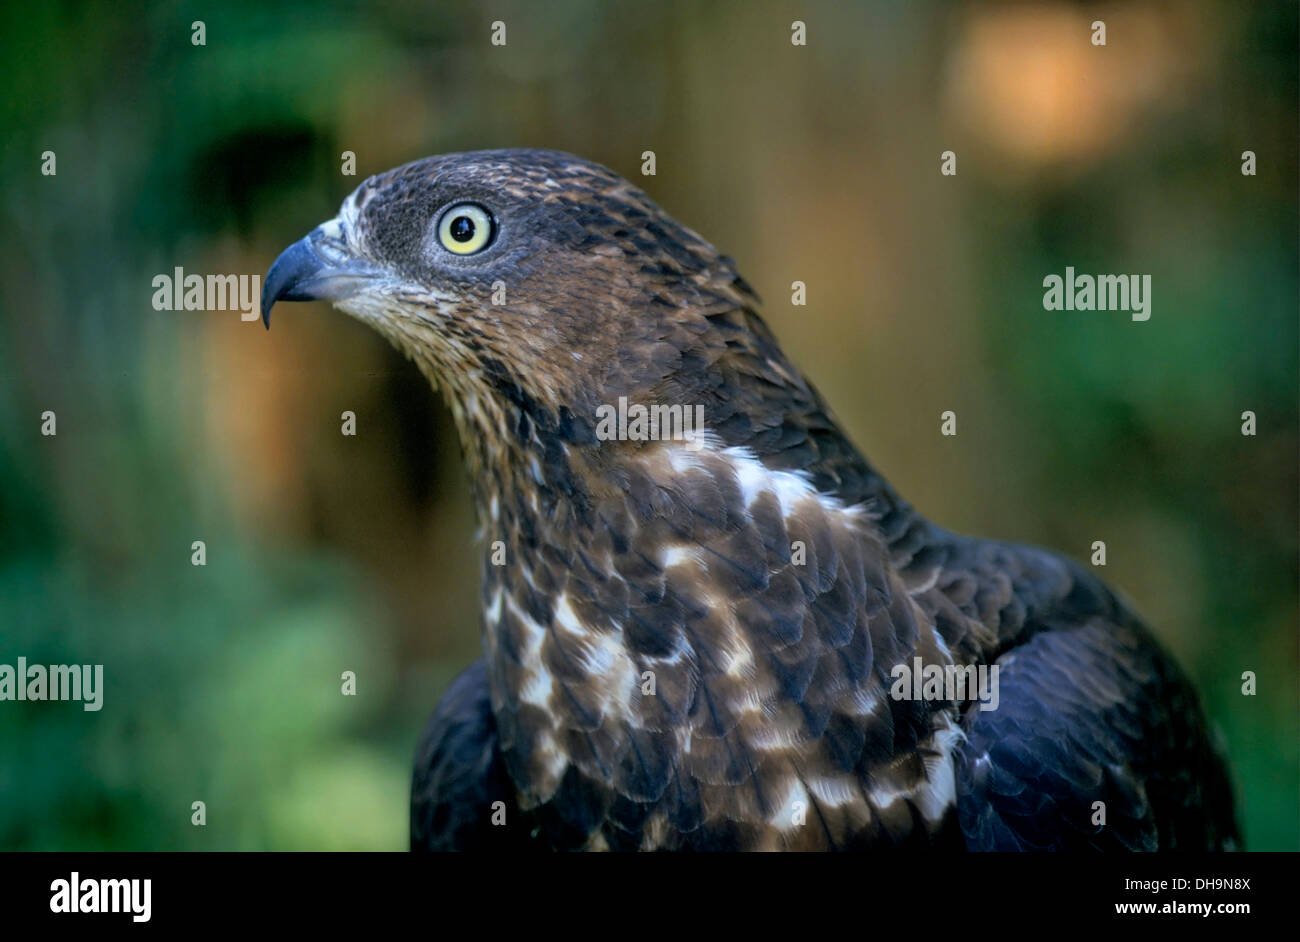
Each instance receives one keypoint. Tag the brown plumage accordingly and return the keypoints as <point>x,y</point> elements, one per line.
<point>695,644</point>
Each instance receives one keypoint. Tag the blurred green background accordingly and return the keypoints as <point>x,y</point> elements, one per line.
<point>327,554</point>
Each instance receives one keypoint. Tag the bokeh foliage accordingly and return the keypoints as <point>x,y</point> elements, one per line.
<point>328,554</point>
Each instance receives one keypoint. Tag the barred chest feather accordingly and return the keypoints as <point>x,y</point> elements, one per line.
<point>697,655</point>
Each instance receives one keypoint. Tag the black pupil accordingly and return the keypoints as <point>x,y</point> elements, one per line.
<point>462,228</point>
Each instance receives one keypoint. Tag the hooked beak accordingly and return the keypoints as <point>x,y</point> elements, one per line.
<point>318,267</point>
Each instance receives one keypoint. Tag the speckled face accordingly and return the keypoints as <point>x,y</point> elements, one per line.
<point>528,282</point>
<point>413,220</point>
<point>536,267</point>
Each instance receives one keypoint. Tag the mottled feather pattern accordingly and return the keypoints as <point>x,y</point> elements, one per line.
<point>771,679</point>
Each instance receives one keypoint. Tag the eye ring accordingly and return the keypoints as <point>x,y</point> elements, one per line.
<point>465,229</point>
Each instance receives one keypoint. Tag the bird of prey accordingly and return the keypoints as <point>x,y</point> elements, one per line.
<point>695,641</point>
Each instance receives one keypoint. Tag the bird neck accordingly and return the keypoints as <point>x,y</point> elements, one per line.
<point>539,470</point>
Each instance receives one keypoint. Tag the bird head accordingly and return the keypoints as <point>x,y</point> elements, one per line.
<point>521,281</point>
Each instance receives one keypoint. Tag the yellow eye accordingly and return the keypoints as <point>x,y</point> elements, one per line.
<point>465,229</point>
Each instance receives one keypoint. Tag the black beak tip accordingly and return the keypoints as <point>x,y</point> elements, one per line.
<point>302,274</point>
<point>296,266</point>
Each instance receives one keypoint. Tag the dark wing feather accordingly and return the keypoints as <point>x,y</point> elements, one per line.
<point>459,775</point>
<point>1092,711</point>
